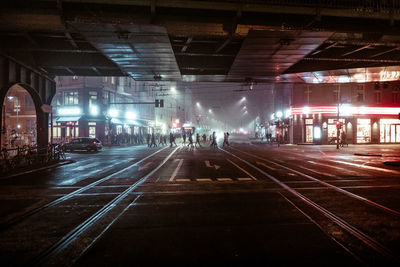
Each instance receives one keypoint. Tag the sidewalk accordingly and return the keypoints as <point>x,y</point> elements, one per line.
<point>30,169</point>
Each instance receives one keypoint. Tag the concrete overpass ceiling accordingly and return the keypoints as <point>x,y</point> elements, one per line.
<point>197,40</point>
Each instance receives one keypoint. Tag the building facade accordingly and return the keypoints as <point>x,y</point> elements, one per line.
<point>368,113</point>
<point>101,107</point>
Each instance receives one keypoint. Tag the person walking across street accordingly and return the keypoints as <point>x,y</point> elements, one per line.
<point>153,140</point>
<point>197,140</point>
<point>214,140</point>
<point>171,139</point>
<point>190,139</point>
<point>148,139</point>
<point>184,137</point>
<point>226,139</point>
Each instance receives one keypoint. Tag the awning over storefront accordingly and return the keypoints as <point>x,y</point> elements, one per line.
<point>66,119</point>
<point>116,121</point>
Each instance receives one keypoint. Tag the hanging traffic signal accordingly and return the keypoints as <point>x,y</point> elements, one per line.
<point>159,103</point>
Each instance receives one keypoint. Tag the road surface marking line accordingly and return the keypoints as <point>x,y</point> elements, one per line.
<point>265,165</point>
<point>366,167</point>
<point>224,179</point>
<point>203,180</point>
<point>245,179</point>
<point>291,174</point>
<point>334,167</point>
<point>208,165</point>
<point>243,170</point>
<point>176,170</point>
<point>182,180</point>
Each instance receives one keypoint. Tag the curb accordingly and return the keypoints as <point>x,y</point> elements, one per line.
<point>39,169</point>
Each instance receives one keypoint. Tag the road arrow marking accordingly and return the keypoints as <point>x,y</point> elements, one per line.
<point>208,165</point>
<point>145,166</point>
<point>265,165</point>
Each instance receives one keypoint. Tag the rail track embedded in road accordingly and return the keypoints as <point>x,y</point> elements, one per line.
<point>66,240</point>
<point>74,193</point>
<point>369,241</point>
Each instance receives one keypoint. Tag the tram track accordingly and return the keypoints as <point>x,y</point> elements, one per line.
<point>336,188</point>
<point>67,239</point>
<point>77,192</point>
<point>367,240</point>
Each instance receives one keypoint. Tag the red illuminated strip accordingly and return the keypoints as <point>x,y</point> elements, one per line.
<point>357,110</point>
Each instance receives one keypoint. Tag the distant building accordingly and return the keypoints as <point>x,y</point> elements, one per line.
<point>99,107</point>
<point>368,112</point>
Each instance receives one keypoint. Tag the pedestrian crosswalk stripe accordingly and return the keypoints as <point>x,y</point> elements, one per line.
<point>224,179</point>
<point>244,179</point>
<point>203,180</point>
<point>183,180</point>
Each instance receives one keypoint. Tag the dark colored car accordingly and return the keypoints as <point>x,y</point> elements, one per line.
<point>84,143</point>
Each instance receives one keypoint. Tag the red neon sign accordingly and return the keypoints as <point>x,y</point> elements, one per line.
<point>354,110</point>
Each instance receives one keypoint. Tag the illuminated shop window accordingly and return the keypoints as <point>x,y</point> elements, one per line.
<point>363,130</point>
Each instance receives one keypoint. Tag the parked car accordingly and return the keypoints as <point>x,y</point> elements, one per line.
<point>84,143</point>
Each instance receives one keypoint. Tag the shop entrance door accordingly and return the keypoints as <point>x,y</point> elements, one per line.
<point>395,133</point>
<point>309,134</point>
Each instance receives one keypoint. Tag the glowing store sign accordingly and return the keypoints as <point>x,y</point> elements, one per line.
<point>389,75</point>
<point>346,110</point>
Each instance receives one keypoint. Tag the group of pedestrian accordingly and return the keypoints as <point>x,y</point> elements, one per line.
<point>125,139</point>
<point>152,140</point>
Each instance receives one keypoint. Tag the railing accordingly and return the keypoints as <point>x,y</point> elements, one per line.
<point>29,156</point>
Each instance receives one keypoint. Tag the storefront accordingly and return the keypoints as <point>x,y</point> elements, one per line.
<point>360,125</point>
<point>389,130</point>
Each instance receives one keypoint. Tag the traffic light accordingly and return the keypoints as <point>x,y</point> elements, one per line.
<point>159,103</point>
<point>338,124</point>
<point>278,132</point>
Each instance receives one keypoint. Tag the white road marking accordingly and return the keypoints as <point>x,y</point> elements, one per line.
<point>84,167</point>
<point>244,179</point>
<point>291,174</point>
<point>182,180</point>
<point>265,165</point>
<point>243,170</point>
<point>224,179</point>
<point>176,170</point>
<point>208,165</point>
<point>203,180</point>
<point>334,167</point>
<point>366,167</point>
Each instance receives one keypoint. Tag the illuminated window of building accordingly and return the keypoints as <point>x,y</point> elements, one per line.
<point>360,93</point>
<point>71,98</point>
<point>307,93</point>
<point>378,97</point>
<point>395,96</point>
<point>335,95</point>
<point>363,130</point>
<point>106,97</point>
<point>92,98</point>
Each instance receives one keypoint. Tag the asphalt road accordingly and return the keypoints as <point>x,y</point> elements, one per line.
<point>241,205</point>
